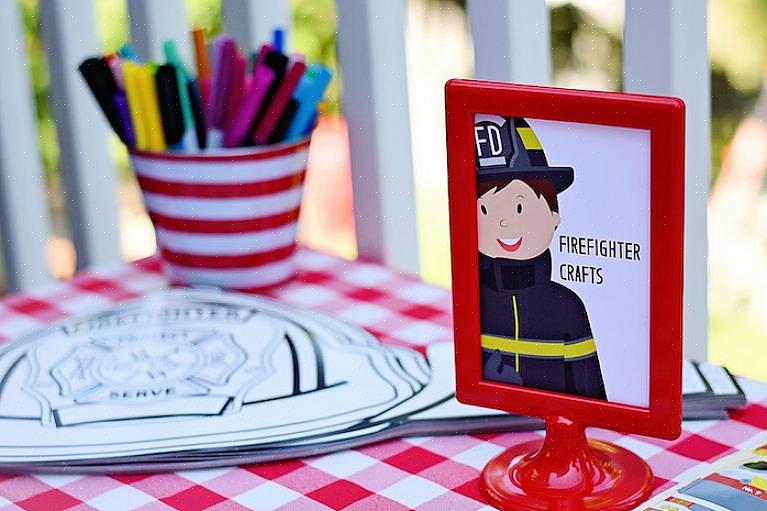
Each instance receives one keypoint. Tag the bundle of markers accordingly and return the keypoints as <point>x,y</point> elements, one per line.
<point>233,100</point>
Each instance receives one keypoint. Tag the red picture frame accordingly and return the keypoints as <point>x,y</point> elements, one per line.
<point>665,119</point>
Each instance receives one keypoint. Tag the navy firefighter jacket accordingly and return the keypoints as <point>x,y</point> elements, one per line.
<point>535,332</point>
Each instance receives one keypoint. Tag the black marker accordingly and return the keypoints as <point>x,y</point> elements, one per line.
<point>195,98</point>
<point>170,104</point>
<point>99,78</point>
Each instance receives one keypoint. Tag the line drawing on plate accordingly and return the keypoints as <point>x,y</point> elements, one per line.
<point>183,373</point>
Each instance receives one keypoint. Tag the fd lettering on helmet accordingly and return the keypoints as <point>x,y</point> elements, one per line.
<point>493,143</point>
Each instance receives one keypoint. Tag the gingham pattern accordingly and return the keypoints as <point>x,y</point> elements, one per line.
<point>428,473</point>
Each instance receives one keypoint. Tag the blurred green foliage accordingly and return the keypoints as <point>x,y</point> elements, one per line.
<point>38,66</point>
<point>738,48</point>
<point>314,34</point>
<point>580,43</point>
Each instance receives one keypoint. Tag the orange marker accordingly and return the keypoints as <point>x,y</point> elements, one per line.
<point>203,67</point>
<point>201,53</point>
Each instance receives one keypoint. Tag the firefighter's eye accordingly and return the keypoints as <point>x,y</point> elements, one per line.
<point>483,209</point>
<point>519,209</point>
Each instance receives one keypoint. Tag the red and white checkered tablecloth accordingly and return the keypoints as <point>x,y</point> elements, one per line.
<point>428,473</point>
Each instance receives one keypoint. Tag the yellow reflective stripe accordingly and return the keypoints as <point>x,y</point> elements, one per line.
<point>538,348</point>
<point>580,348</point>
<point>529,139</point>
<point>516,328</point>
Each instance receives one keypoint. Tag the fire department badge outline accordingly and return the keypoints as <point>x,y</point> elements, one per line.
<point>51,414</point>
<point>136,368</point>
<point>406,374</point>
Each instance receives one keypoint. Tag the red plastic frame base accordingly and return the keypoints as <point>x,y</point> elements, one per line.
<point>565,472</point>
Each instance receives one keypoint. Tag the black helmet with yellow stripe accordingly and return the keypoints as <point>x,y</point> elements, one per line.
<point>507,148</point>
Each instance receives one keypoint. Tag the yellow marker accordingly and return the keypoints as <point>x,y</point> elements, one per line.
<point>132,90</point>
<point>150,108</point>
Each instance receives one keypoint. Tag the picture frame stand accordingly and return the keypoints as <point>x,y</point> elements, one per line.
<point>566,472</point>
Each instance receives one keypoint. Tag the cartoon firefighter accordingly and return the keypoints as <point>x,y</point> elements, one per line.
<point>535,332</point>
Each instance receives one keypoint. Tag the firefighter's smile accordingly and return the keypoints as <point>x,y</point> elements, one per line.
<point>510,244</point>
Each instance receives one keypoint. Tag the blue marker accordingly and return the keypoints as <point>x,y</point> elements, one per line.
<point>308,93</point>
<point>126,51</point>
<point>279,40</point>
<point>312,123</point>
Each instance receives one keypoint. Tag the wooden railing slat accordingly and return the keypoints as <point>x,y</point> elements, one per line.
<point>666,52</point>
<point>512,41</point>
<point>153,22</point>
<point>252,22</point>
<point>88,174</point>
<point>371,49</point>
<point>23,206</point>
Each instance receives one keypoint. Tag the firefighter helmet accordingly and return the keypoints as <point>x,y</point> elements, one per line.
<point>507,148</point>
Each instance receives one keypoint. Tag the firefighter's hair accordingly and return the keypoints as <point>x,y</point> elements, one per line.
<point>541,187</point>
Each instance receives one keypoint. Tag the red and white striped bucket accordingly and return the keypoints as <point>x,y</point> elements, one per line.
<point>225,219</point>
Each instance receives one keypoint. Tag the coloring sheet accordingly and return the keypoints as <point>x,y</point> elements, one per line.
<point>189,371</point>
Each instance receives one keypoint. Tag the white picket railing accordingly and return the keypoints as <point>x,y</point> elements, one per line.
<point>665,52</point>
<point>23,211</point>
<point>371,50</point>
<point>87,172</point>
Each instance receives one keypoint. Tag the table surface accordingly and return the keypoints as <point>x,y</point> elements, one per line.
<point>429,473</point>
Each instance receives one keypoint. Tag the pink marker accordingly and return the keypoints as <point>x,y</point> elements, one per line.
<point>117,71</point>
<point>261,56</point>
<point>226,51</point>
<point>236,89</point>
<point>238,130</point>
<point>277,107</point>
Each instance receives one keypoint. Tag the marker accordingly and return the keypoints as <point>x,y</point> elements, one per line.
<point>203,65</point>
<point>189,140</point>
<point>278,63</point>
<point>276,108</point>
<point>201,53</point>
<point>130,70</point>
<point>123,112</point>
<point>169,103</point>
<point>278,36</point>
<point>237,89</point>
<point>102,84</point>
<point>312,123</point>
<point>308,94</point>
<point>150,108</point>
<point>113,61</point>
<point>278,135</point>
<point>225,51</point>
<point>195,98</point>
<point>241,125</point>
<point>252,60</point>
<point>127,52</point>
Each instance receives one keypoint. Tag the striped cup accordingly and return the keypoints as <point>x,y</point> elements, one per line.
<point>225,219</point>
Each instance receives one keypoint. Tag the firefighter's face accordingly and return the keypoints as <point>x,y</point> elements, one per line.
<point>514,222</point>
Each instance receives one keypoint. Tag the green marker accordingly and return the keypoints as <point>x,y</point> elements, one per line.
<point>189,140</point>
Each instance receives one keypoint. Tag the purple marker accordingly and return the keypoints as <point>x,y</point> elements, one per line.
<point>240,126</point>
<point>225,50</point>
<point>123,113</point>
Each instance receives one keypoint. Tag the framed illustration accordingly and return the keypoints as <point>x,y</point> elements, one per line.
<point>567,222</point>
